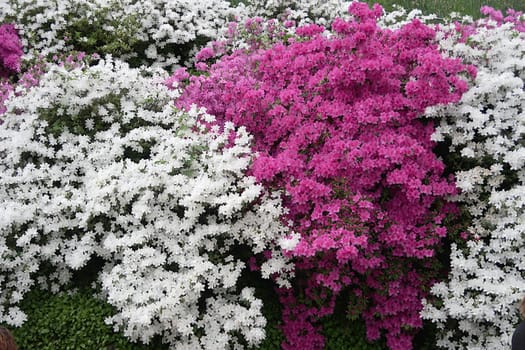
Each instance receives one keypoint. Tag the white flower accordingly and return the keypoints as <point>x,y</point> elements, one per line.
<point>289,243</point>
<point>142,187</point>
<point>487,277</point>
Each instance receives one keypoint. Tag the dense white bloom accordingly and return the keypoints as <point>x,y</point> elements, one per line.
<point>127,28</point>
<point>182,25</point>
<point>400,16</point>
<point>97,163</point>
<point>486,128</point>
<point>41,24</point>
<point>302,11</point>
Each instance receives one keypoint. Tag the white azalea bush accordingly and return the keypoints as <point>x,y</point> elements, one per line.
<point>96,163</point>
<point>324,12</point>
<point>154,32</point>
<point>302,11</point>
<point>171,32</point>
<point>400,16</point>
<point>44,25</point>
<point>477,306</point>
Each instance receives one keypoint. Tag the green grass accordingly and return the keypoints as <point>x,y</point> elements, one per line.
<point>444,7</point>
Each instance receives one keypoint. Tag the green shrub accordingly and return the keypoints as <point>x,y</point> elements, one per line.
<point>344,334</point>
<point>70,322</point>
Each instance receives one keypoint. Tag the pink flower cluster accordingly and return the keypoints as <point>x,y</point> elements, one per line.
<point>26,80</point>
<point>10,50</point>
<point>517,18</point>
<point>512,16</point>
<point>336,126</point>
<point>10,60</point>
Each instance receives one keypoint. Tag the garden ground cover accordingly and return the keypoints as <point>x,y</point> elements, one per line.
<point>379,206</point>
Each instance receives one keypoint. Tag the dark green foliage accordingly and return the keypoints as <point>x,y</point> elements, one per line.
<point>90,36</point>
<point>426,339</point>
<point>344,334</point>
<point>70,322</point>
<point>272,312</point>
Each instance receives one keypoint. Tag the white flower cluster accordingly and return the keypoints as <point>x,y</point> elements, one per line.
<point>302,11</point>
<point>400,16</point>
<point>174,27</point>
<point>96,163</point>
<point>324,12</point>
<point>182,22</point>
<point>41,24</point>
<point>486,132</point>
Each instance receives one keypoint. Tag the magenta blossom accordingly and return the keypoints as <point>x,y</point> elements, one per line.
<point>493,16</point>
<point>336,123</point>
<point>10,50</point>
<point>512,16</point>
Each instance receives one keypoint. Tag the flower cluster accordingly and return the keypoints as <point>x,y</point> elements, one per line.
<point>303,144</point>
<point>484,132</point>
<point>10,50</point>
<point>33,71</point>
<point>335,124</point>
<point>172,31</point>
<point>515,17</point>
<point>41,24</point>
<point>158,32</point>
<point>300,12</point>
<point>10,60</point>
<point>5,91</point>
<point>99,170</point>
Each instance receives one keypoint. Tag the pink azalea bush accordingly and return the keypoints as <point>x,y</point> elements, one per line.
<point>336,126</point>
<point>10,59</point>
<point>493,19</point>
<point>512,16</point>
<point>10,50</point>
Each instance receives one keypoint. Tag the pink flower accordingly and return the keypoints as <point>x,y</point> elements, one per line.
<point>335,122</point>
<point>310,30</point>
<point>204,54</point>
<point>10,50</point>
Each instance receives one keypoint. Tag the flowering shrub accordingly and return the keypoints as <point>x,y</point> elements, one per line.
<point>100,172</point>
<point>96,165</point>
<point>10,50</point>
<point>302,11</point>
<point>172,31</point>
<point>33,71</point>
<point>10,60</point>
<point>156,32</point>
<point>41,24</point>
<point>512,16</point>
<point>335,124</point>
<point>476,307</point>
